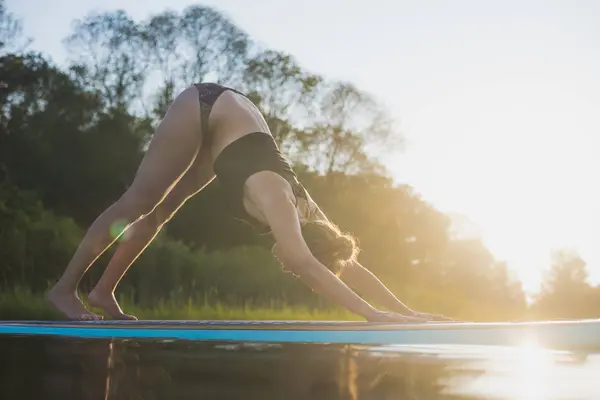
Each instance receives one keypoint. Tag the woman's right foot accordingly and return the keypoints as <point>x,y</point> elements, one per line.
<point>68,303</point>
<point>108,303</point>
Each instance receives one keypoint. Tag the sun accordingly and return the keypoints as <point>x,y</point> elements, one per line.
<point>519,167</point>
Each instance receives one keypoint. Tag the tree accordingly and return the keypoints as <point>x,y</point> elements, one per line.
<point>11,32</point>
<point>109,47</point>
<point>56,140</point>
<point>162,41</point>
<point>566,292</point>
<point>348,125</point>
<point>198,45</point>
<point>283,91</point>
<point>217,46</point>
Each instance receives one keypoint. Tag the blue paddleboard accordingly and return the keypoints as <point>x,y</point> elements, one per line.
<point>573,335</point>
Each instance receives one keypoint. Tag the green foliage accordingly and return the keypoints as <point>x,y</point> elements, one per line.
<point>35,243</point>
<point>21,303</point>
<point>170,271</point>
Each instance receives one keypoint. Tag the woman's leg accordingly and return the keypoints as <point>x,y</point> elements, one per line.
<point>144,231</point>
<point>173,149</point>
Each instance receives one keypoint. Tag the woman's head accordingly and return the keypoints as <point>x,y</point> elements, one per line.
<point>329,245</point>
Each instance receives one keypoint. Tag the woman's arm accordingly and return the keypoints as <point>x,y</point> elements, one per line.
<point>367,284</point>
<point>294,253</point>
<point>364,281</point>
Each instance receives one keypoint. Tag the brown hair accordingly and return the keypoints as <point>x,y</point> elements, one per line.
<point>329,245</point>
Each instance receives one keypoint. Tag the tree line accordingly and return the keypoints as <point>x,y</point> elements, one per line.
<point>72,136</point>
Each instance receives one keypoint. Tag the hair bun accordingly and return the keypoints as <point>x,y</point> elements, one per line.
<point>329,245</point>
<point>344,248</point>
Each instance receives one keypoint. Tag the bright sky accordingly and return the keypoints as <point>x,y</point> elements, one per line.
<point>498,100</point>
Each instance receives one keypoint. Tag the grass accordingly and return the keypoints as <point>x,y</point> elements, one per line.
<point>22,304</point>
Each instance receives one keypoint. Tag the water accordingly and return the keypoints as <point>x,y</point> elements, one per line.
<point>61,368</point>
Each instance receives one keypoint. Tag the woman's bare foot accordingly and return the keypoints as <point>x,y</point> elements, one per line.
<point>70,305</point>
<point>108,303</point>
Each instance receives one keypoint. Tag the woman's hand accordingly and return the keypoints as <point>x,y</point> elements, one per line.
<point>431,317</point>
<point>384,316</point>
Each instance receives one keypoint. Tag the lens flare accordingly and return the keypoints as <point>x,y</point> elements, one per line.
<point>119,230</point>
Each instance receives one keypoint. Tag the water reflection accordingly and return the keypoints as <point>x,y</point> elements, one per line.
<point>58,368</point>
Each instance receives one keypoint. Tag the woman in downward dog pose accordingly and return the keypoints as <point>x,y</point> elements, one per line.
<point>214,131</point>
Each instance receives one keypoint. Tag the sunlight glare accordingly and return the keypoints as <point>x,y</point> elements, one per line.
<point>531,371</point>
<point>518,161</point>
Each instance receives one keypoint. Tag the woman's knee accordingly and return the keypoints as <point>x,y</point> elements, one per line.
<point>163,214</point>
<point>189,185</point>
<point>137,205</point>
<point>172,203</point>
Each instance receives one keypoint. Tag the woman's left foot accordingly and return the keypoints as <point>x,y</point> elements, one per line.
<point>109,304</point>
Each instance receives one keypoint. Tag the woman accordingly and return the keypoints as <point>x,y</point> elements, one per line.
<point>210,130</point>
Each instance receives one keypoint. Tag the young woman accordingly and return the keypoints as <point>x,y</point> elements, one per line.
<point>210,130</point>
